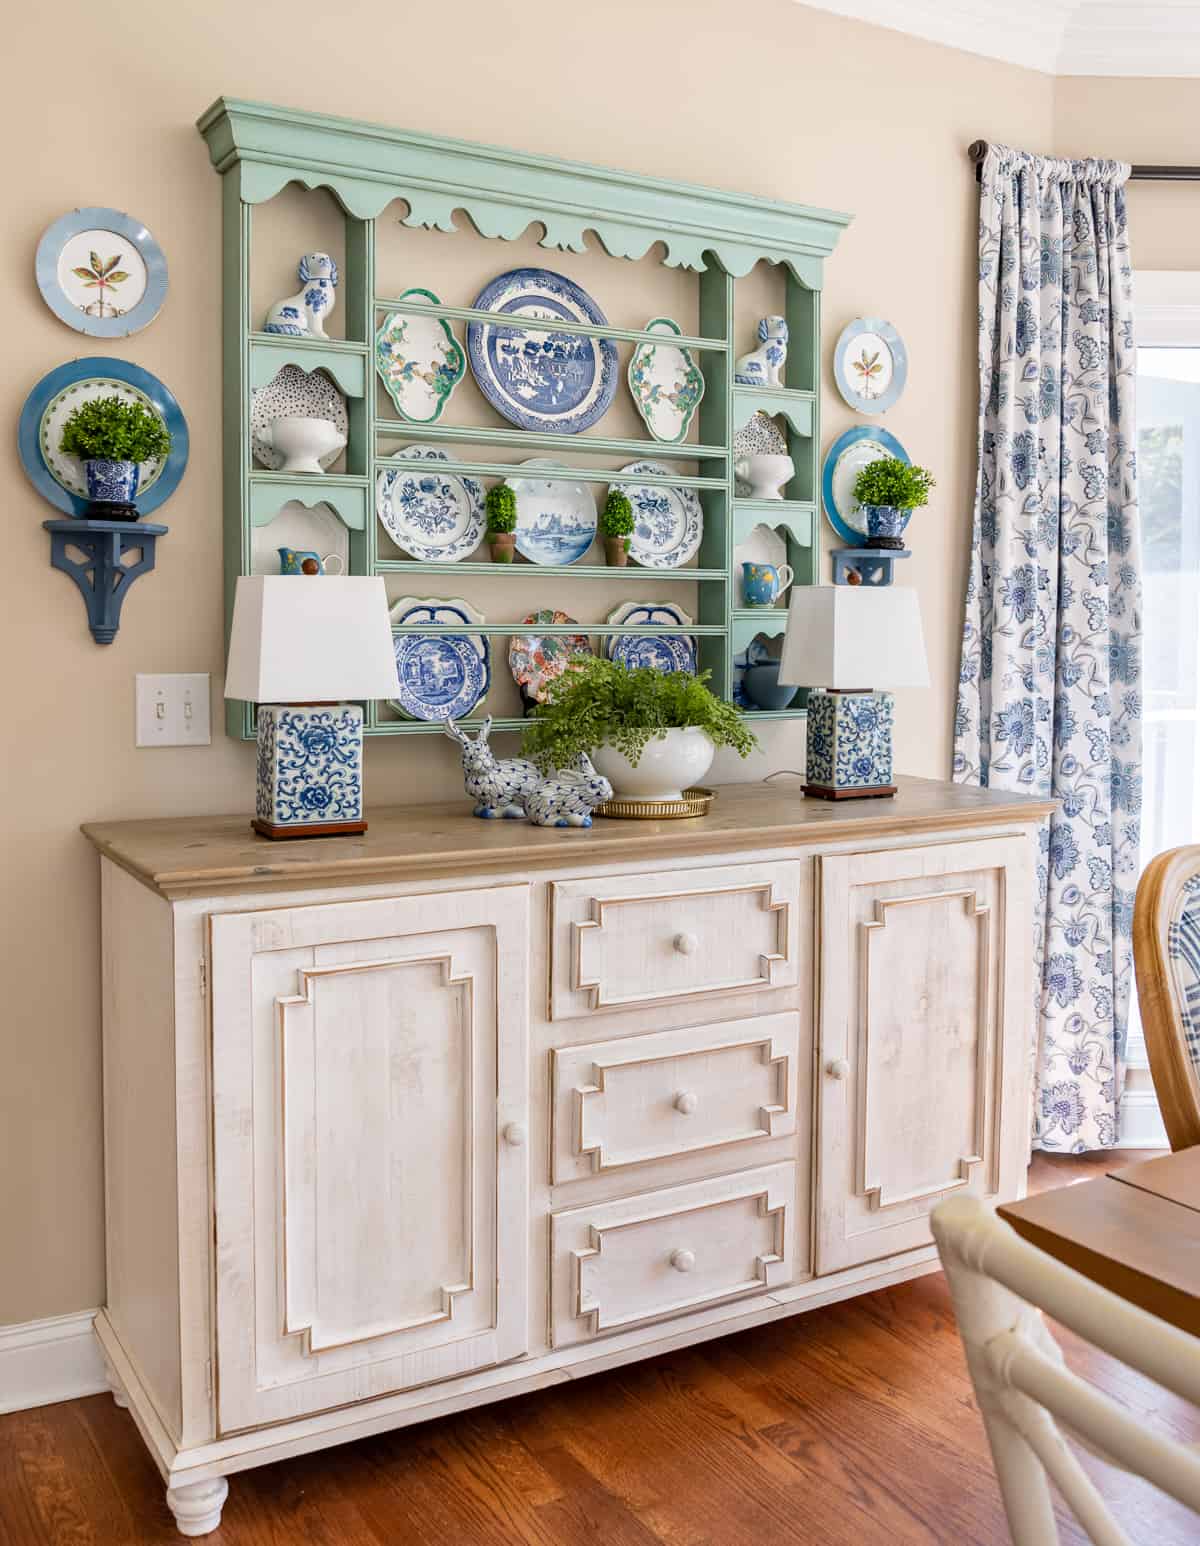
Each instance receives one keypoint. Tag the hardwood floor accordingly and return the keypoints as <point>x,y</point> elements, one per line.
<point>853,1425</point>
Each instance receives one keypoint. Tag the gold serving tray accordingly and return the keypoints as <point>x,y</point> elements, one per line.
<point>695,802</point>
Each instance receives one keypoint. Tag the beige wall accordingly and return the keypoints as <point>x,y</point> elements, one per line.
<point>828,112</point>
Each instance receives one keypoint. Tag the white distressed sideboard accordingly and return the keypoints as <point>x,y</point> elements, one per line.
<point>404,1123</point>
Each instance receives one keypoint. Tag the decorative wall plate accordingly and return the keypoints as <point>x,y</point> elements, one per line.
<point>660,651</point>
<point>870,364</point>
<point>296,394</point>
<point>419,360</point>
<point>443,675</point>
<point>58,477</point>
<point>556,518</point>
<point>561,382</point>
<point>432,515</point>
<point>844,460</point>
<point>101,272</point>
<point>668,523</point>
<point>536,659</point>
<point>666,383</point>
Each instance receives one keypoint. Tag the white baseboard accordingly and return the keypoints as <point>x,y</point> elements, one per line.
<point>1141,1122</point>
<point>50,1360</point>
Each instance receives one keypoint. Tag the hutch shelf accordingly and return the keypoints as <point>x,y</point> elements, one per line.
<point>259,150</point>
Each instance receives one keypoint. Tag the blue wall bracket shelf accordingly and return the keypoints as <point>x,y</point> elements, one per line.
<point>869,566</point>
<point>102,574</point>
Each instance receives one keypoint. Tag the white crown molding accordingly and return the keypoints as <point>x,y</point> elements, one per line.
<point>1056,37</point>
<point>51,1360</point>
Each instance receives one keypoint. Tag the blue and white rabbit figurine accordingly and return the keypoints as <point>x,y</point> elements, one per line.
<point>566,798</point>
<point>499,786</point>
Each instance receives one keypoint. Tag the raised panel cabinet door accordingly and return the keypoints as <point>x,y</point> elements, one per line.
<point>637,941</point>
<point>925,1026</point>
<point>370,1095</point>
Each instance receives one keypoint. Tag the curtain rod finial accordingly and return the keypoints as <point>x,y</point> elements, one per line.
<point>977,150</point>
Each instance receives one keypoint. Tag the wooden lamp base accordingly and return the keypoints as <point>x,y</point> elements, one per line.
<point>826,792</point>
<point>312,829</point>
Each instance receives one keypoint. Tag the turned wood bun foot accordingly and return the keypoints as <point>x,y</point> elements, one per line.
<point>197,1508</point>
<point>114,1384</point>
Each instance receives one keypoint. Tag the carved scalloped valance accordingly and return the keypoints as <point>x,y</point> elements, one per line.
<point>503,192</point>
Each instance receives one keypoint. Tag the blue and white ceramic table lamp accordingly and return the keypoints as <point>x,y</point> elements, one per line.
<point>850,643</point>
<point>299,646</point>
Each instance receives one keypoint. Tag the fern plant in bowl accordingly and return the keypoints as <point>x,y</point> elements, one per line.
<point>652,734</point>
<point>114,439</point>
<point>889,490</point>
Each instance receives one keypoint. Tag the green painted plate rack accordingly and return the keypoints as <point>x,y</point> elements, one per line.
<point>259,150</point>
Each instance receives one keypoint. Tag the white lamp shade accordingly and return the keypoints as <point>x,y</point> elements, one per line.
<point>310,639</point>
<point>852,636</point>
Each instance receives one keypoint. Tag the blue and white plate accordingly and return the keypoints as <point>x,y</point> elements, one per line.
<point>844,460</point>
<point>433,515</point>
<point>660,651</point>
<point>870,364</point>
<point>541,380</point>
<point>668,523</point>
<point>442,674</point>
<point>556,517</point>
<point>101,272</point>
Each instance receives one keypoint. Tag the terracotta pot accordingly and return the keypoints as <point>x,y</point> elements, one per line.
<point>503,545</point>
<point>616,551</point>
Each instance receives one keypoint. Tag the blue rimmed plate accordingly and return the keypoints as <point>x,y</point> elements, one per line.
<point>59,477</point>
<point>870,364</point>
<point>430,514</point>
<point>844,460</point>
<point>101,272</point>
<point>668,523</point>
<point>541,380</point>
<point>442,674</point>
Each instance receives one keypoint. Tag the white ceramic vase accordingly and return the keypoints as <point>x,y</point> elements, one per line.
<point>669,764</point>
<point>302,442</point>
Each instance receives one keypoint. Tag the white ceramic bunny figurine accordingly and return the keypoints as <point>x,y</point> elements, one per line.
<point>300,316</point>
<point>763,366</point>
<point>498,786</point>
<point>566,798</point>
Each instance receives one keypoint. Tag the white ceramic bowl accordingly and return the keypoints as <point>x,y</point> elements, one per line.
<point>302,441</point>
<point>669,764</point>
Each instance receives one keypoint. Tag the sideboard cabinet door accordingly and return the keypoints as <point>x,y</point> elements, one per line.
<point>925,1032</point>
<point>370,1092</point>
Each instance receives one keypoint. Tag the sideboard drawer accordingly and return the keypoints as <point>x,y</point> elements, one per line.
<point>666,1253</point>
<point>630,941</point>
<point>639,1098</point>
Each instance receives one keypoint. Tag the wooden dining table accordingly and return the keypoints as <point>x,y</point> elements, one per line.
<point>1134,1230</point>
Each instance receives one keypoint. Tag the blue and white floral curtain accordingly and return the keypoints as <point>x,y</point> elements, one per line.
<point>1049,699</point>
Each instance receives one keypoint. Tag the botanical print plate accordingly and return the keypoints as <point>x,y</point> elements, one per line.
<point>295,394</point>
<point>536,659</point>
<point>101,272</point>
<point>538,379</point>
<point>442,675</point>
<point>844,460</point>
<point>310,529</point>
<point>430,514</point>
<point>870,364</point>
<point>419,360</point>
<point>666,383</point>
<point>58,477</point>
<point>764,545</point>
<point>661,651</point>
<point>668,523</point>
<point>556,518</point>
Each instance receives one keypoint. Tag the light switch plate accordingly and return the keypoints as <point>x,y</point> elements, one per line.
<point>173,710</point>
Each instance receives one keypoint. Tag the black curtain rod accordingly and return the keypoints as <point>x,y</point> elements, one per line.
<point>978,149</point>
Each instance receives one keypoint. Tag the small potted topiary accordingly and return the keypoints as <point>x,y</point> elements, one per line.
<point>616,525</point>
<point>889,490</point>
<point>501,508</point>
<point>114,439</point>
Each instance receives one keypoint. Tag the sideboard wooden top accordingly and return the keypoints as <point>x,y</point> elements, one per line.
<point>212,855</point>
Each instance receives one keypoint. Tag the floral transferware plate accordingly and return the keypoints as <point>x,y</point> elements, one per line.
<point>660,651</point>
<point>419,360</point>
<point>432,515</point>
<point>844,460</point>
<point>668,523</point>
<point>556,517</point>
<point>296,394</point>
<point>870,364</point>
<point>59,477</point>
<point>101,272</point>
<point>536,659</point>
<point>541,380</point>
<point>443,675</point>
<point>666,383</point>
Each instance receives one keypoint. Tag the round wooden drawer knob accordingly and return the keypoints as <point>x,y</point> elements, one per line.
<point>838,1069</point>
<point>514,1135</point>
<point>686,944</point>
<point>686,1102</point>
<point>683,1261</point>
